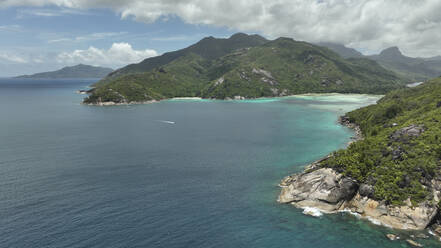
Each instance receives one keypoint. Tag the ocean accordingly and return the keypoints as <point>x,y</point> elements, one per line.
<point>178,173</point>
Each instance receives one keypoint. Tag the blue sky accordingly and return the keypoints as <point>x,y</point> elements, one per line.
<point>34,37</point>
<point>42,35</point>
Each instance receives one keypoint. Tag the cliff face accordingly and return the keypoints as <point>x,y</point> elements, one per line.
<point>330,191</point>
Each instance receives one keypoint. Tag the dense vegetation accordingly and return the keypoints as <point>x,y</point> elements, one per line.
<point>401,152</point>
<point>207,48</point>
<point>255,68</point>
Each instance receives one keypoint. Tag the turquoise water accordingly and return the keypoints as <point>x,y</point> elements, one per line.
<point>179,173</point>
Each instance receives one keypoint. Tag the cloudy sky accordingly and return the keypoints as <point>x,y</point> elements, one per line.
<point>40,35</point>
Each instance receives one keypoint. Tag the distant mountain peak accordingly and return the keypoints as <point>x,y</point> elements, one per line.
<point>391,51</point>
<point>243,36</point>
<point>284,39</point>
<point>342,50</point>
<point>76,71</point>
<point>208,48</point>
<point>237,35</point>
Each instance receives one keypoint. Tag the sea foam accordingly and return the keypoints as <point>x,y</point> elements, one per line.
<point>312,211</point>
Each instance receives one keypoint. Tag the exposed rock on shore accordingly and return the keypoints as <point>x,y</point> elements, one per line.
<point>329,191</point>
<point>413,243</point>
<point>392,237</point>
<point>323,189</point>
<point>344,120</point>
<point>399,217</point>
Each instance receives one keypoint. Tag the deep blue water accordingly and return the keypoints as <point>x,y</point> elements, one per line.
<point>83,176</point>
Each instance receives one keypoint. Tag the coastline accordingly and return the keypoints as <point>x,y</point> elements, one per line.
<point>344,121</point>
<point>235,98</point>
<point>358,135</point>
<point>110,103</point>
<point>309,190</point>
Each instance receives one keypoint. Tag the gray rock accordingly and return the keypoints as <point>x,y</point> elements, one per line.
<point>219,81</point>
<point>422,236</point>
<point>324,189</point>
<point>263,73</point>
<point>400,217</point>
<point>392,237</point>
<point>366,190</point>
<point>413,243</point>
<point>405,133</point>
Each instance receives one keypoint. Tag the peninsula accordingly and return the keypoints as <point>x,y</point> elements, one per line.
<point>392,175</point>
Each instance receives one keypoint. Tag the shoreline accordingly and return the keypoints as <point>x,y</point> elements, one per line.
<point>235,98</point>
<point>344,121</point>
<point>100,104</point>
<point>308,190</point>
<point>358,135</point>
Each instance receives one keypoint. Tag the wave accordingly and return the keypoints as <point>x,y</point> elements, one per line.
<point>312,211</point>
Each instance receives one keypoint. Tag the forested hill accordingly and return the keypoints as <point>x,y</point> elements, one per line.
<point>400,157</point>
<point>245,66</point>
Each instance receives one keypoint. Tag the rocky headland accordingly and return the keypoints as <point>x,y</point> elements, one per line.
<point>330,191</point>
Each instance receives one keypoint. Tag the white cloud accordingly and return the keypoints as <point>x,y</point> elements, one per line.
<point>47,12</point>
<point>414,26</point>
<point>119,54</point>
<point>89,37</point>
<point>10,28</point>
<point>12,58</point>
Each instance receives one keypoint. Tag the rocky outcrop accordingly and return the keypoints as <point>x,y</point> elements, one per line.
<point>399,217</point>
<point>329,191</point>
<point>413,243</point>
<point>392,237</point>
<point>267,77</point>
<point>324,189</point>
<point>219,81</point>
<point>345,121</point>
<point>404,134</point>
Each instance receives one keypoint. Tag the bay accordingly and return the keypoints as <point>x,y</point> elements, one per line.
<point>178,173</point>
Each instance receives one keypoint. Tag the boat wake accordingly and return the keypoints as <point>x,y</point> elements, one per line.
<point>168,122</point>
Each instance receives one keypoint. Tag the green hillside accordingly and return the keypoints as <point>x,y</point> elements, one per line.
<point>207,48</point>
<point>275,68</point>
<point>401,153</point>
<point>410,69</point>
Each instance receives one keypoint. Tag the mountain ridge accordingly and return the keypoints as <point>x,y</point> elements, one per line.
<point>253,67</point>
<point>76,71</point>
<point>218,47</point>
<point>414,69</point>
